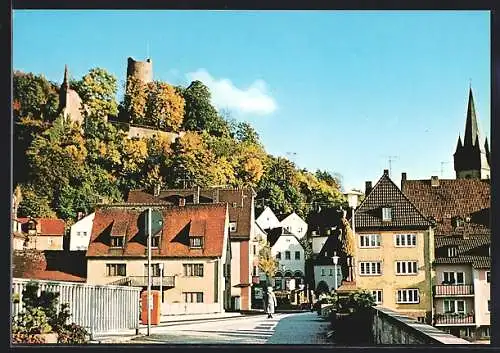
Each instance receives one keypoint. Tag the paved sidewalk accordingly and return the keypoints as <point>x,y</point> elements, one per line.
<point>125,336</point>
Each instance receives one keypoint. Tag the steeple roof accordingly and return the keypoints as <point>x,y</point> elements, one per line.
<point>66,77</point>
<point>471,127</point>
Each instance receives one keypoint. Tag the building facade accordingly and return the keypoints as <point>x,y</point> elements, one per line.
<point>394,250</point>
<point>190,254</point>
<point>295,225</point>
<point>241,227</point>
<point>42,233</point>
<point>79,234</point>
<point>267,219</point>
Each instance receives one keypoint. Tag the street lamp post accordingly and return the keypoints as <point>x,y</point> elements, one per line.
<point>335,259</point>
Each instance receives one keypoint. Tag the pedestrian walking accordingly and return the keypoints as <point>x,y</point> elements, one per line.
<point>270,302</point>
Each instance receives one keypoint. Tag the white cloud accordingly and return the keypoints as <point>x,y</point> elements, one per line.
<point>225,95</point>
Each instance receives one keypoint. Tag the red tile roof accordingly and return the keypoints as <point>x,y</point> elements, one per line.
<point>240,202</point>
<point>46,226</point>
<point>179,222</point>
<point>456,197</point>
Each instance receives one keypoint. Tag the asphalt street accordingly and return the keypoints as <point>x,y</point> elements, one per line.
<point>299,328</point>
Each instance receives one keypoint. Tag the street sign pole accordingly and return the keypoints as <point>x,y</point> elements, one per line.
<point>149,271</point>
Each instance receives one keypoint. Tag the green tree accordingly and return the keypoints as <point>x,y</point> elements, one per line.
<point>34,204</point>
<point>34,97</point>
<point>135,100</point>
<point>200,114</point>
<point>246,133</point>
<point>267,262</point>
<point>97,89</point>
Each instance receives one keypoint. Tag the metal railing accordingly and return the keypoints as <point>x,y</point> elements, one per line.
<point>453,319</point>
<point>99,308</point>
<point>454,289</point>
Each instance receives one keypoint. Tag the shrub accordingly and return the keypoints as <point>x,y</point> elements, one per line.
<point>40,315</point>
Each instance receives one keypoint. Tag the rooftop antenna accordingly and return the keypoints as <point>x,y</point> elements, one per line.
<point>391,159</point>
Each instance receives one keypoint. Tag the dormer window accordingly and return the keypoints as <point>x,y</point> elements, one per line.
<point>232,227</point>
<point>155,240</point>
<point>452,251</point>
<point>386,214</point>
<point>117,241</point>
<point>196,242</point>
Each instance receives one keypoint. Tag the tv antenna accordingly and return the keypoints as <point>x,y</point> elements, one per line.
<point>391,159</point>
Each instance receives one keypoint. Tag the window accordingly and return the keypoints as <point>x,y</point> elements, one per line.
<point>232,227</point>
<point>377,295</point>
<point>386,214</point>
<point>405,240</point>
<point>116,269</point>
<point>331,272</point>
<point>370,268</point>
<point>49,241</point>
<point>155,270</point>
<point>287,255</point>
<point>453,278</point>
<point>407,296</point>
<point>278,256</point>
<point>84,234</point>
<point>488,276</point>
<point>452,251</point>
<point>297,255</point>
<point>322,271</point>
<point>193,297</point>
<point>369,240</point>
<point>196,242</point>
<point>489,305</point>
<point>155,241</point>
<point>451,306</point>
<point>117,242</point>
<point>299,230</point>
<point>254,272</point>
<point>193,270</point>
<point>254,249</point>
<point>78,234</point>
<point>406,267</point>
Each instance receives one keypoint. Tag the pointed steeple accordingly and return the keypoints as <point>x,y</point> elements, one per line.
<point>459,143</point>
<point>66,77</point>
<point>471,129</point>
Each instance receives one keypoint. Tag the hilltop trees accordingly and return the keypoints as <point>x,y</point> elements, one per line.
<point>70,168</point>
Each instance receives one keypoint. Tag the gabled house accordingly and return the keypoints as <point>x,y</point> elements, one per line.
<point>294,224</point>
<point>461,210</point>
<point>289,253</point>
<point>41,233</point>
<point>241,210</point>
<point>79,234</point>
<point>394,250</point>
<point>192,247</point>
<point>267,219</point>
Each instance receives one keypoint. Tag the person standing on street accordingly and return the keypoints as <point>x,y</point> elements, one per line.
<point>270,302</point>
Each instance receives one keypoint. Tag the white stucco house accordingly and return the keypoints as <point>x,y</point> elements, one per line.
<point>80,233</point>
<point>295,225</point>
<point>267,219</point>
<point>286,248</point>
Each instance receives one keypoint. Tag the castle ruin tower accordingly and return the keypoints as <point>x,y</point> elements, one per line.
<point>142,70</point>
<point>471,158</point>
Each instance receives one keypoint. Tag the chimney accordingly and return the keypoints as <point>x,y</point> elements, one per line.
<point>182,201</point>
<point>368,187</point>
<point>196,198</point>
<point>403,176</point>
<point>156,190</point>
<point>434,181</point>
<point>386,172</point>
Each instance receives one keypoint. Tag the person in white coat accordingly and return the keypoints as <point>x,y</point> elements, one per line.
<point>271,302</point>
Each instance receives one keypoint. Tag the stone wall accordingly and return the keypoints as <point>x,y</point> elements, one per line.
<point>390,327</point>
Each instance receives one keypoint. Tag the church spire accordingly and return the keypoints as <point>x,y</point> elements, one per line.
<point>471,129</point>
<point>66,77</point>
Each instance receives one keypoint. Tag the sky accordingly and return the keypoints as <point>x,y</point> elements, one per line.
<point>350,92</point>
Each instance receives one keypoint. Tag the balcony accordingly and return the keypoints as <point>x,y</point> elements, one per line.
<point>453,319</point>
<point>447,290</point>
<point>142,281</point>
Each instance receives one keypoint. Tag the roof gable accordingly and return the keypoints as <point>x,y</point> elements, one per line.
<point>385,193</point>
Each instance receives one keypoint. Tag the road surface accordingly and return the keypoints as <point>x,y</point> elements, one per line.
<point>299,328</point>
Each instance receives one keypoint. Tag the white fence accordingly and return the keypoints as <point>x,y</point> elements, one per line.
<point>99,308</point>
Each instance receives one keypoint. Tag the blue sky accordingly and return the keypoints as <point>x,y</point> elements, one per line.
<point>332,90</point>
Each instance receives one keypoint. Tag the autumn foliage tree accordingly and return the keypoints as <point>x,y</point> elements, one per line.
<point>267,262</point>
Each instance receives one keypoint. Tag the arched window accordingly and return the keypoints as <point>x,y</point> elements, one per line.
<point>298,274</point>
<point>288,274</point>
<point>278,274</point>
